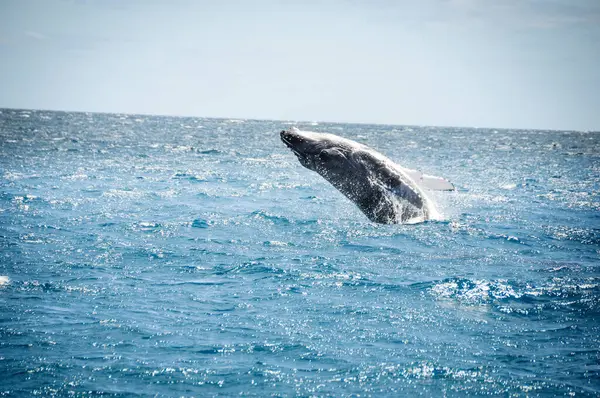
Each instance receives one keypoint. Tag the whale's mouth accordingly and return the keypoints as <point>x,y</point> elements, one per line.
<point>288,139</point>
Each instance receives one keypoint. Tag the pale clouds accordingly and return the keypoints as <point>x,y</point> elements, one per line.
<point>35,35</point>
<point>546,14</point>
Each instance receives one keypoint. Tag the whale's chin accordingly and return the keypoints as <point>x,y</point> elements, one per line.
<point>294,142</point>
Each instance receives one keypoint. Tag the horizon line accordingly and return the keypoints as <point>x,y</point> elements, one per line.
<point>298,121</point>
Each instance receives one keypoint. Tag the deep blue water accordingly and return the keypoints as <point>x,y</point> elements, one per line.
<point>145,255</point>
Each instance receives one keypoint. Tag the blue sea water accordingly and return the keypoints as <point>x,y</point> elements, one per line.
<point>172,256</point>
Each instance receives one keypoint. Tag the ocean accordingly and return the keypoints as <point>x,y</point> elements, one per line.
<point>182,256</point>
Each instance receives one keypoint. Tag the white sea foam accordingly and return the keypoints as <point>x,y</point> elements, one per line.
<point>77,176</point>
<point>14,176</point>
<point>119,193</point>
<point>475,291</point>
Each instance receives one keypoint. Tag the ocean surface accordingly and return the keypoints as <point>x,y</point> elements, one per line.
<point>173,256</point>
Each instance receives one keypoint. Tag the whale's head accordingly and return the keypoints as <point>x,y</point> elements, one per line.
<point>346,164</point>
<point>327,154</point>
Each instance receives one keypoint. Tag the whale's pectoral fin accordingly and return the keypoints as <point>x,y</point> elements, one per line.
<point>430,182</point>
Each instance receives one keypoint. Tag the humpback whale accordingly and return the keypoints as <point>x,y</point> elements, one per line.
<point>383,190</point>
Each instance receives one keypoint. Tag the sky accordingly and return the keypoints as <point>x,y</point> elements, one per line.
<point>531,64</point>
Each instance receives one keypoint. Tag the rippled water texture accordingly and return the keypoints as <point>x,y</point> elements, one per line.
<point>187,256</point>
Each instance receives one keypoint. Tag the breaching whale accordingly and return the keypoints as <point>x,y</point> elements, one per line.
<point>384,191</point>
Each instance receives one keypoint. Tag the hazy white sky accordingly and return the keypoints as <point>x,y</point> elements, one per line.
<point>486,63</point>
